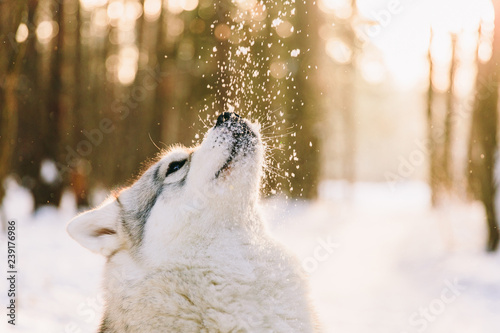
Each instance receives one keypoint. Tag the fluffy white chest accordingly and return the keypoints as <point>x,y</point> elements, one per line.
<point>251,288</point>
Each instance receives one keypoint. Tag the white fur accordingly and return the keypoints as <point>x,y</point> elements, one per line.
<point>205,262</point>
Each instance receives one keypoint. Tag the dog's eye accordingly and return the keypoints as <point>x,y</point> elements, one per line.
<point>174,166</point>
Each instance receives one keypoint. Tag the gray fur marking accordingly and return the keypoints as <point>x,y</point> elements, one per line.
<point>134,220</point>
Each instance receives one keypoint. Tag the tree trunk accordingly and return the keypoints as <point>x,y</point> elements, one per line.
<point>433,177</point>
<point>29,146</point>
<point>483,140</point>
<point>10,67</point>
<point>448,122</point>
<point>50,193</point>
<point>306,110</point>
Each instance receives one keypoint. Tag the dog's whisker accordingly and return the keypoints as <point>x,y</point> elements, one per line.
<point>277,136</point>
<point>203,122</point>
<point>275,173</point>
<point>274,124</point>
<point>279,129</point>
<point>151,139</point>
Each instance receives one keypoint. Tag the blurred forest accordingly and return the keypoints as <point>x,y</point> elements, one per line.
<point>90,88</point>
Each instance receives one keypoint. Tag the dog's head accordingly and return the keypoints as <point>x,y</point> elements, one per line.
<point>188,190</point>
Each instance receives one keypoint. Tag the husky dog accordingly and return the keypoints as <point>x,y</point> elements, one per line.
<point>187,250</point>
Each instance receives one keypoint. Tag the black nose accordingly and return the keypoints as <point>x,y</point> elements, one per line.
<point>226,116</point>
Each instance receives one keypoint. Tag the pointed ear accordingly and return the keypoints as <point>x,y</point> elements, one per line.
<point>97,229</point>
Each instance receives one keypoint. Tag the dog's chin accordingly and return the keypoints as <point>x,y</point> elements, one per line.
<point>230,169</point>
<point>239,157</point>
<point>224,172</point>
<point>226,167</point>
<point>241,162</point>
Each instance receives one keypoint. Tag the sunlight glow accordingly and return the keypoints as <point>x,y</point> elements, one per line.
<point>341,8</point>
<point>175,26</point>
<point>126,75</point>
<point>112,63</point>
<point>177,6</point>
<point>127,64</point>
<point>467,46</point>
<point>402,35</point>
<point>338,51</point>
<point>245,4</point>
<point>92,4</point>
<point>222,31</point>
<point>152,9</point>
<point>22,33</point>
<point>248,12</point>
<point>133,10</point>
<point>484,51</point>
<point>464,81</point>
<point>116,10</point>
<point>190,5</point>
<point>46,30</point>
<point>372,70</point>
<point>441,48</point>
<point>100,18</point>
<point>278,69</point>
<point>284,29</point>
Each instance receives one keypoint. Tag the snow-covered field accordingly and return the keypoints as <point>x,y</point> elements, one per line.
<point>380,262</point>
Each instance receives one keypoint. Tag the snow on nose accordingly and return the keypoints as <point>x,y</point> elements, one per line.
<point>227,116</point>
<point>236,125</point>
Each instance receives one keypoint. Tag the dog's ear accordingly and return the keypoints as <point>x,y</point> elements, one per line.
<point>97,229</point>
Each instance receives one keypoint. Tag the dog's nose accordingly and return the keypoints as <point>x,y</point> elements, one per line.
<point>226,116</point>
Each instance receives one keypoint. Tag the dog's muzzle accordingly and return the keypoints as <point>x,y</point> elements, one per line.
<point>243,138</point>
<point>237,125</point>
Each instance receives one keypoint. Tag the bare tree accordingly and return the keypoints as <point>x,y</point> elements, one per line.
<point>308,114</point>
<point>441,144</point>
<point>55,90</point>
<point>433,173</point>
<point>447,160</point>
<point>50,192</point>
<point>10,68</point>
<point>483,138</point>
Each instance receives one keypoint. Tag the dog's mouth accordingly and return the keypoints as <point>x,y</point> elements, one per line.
<point>227,165</point>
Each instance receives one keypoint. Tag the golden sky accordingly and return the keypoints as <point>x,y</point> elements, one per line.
<point>402,35</point>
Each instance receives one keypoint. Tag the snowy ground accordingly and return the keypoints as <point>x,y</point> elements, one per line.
<point>379,262</point>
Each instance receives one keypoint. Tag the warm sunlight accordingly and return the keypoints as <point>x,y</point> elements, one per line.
<point>152,9</point>
<point>401,31</point>
<point>177,6</point>
<point>92,4</point>
<point>250,166</point>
